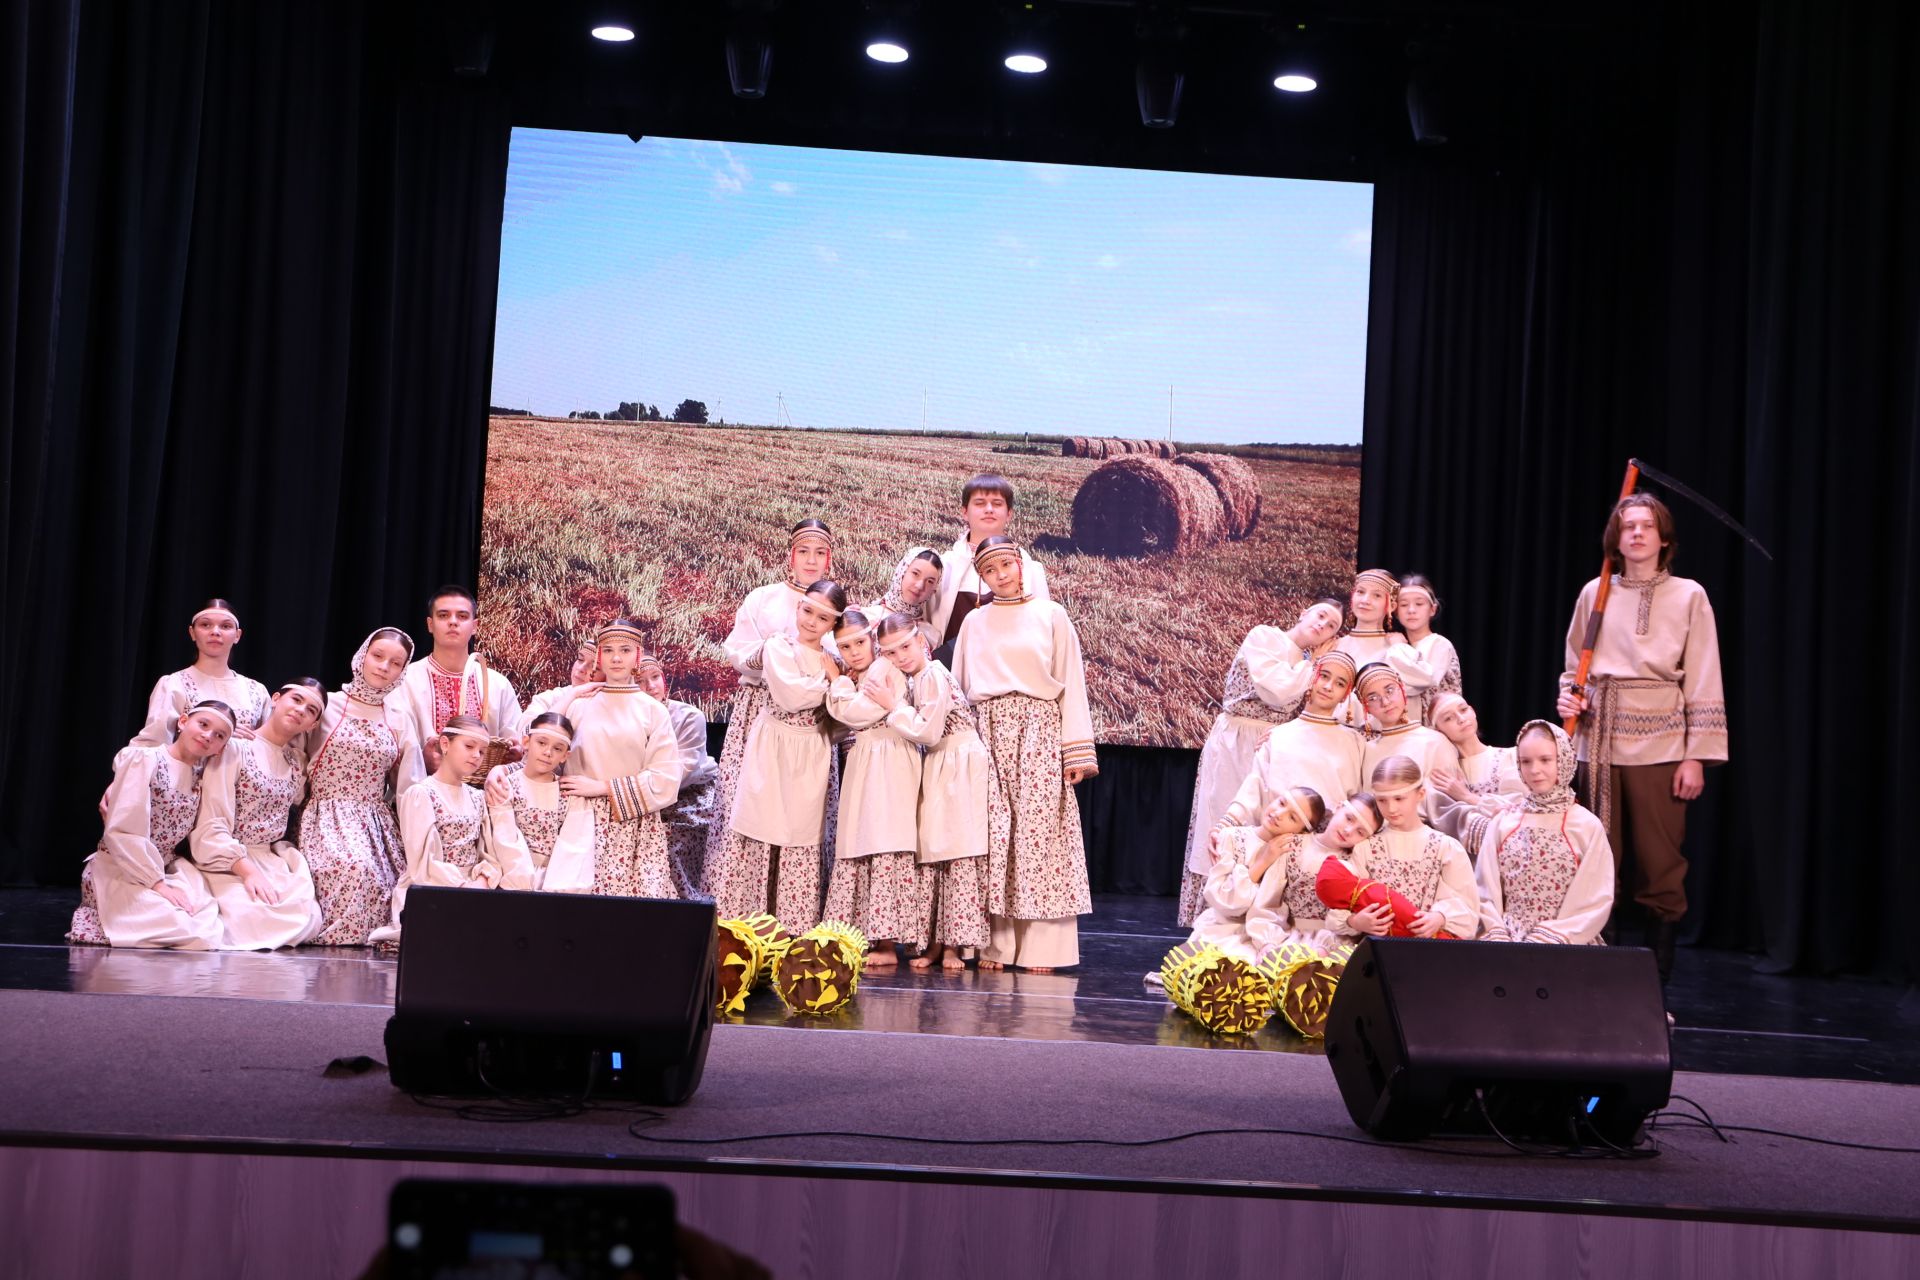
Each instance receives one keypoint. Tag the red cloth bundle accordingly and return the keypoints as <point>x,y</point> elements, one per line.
<point>1338,886</point>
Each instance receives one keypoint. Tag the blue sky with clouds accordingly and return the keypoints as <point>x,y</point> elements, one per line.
<point>1013,296</point>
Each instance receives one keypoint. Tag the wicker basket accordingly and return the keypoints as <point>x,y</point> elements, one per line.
<point>498,749</point>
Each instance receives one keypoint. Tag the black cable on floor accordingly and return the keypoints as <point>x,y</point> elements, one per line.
<point>1720,1131</point>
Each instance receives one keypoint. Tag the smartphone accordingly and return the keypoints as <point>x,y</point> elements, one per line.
<point>486,1230</point>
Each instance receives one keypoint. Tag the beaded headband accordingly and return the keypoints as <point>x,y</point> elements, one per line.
<point>1336,658</point>
<point>987,555</point>
<point>213,709</point>
<point>616,630</point>
<point>801,535</point>
<point>1381,576</point>
<point>1374,674</point>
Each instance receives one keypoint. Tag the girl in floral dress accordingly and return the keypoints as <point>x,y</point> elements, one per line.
<point>134,892</point>
<point>361,757</point>
<point>1545,867</point>
<point>529,817</point>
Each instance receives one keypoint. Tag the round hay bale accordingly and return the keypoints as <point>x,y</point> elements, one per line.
<point>1136,506</point>
<point>1096,448</point>
<point>1070,447</point>
<point>1234,481</point>
<point>1137,446</point>
<point>1117,448</point>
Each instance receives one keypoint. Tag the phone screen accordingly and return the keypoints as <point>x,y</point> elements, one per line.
<point>486,1230</point>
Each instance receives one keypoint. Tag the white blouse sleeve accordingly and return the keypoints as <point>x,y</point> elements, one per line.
<point>505,846</point>
<point>690,732</point>
<point>1589,900</point>
<point>1459,897</point>
<point>1230,886</point>
<point>504,716</point>
<point>791,686</point>
<point>657,784</point>
<point>924,720</point>
<point>852,708</point>
<point>129,834</point>
<point>1417,671</point>
<point>162,712</point>
<point>420,837</point>
<point>1280,673</point>
<point>213,845</point>
<point>1076,718</point>
<point>744,644</point>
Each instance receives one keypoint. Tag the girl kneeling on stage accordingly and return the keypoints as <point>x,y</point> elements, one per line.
<point>779,813</point>
<point>1409,857</point>
<point>531,820</point>
<point>443,827</point>
<point>134,891</point>
<point>258,878</point>
<point>1545,867</point>
<point>1298,916</point>
<point>1245,885</point>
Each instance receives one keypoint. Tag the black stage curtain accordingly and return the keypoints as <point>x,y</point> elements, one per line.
<point>1712,266</point>
<point>259,256</point>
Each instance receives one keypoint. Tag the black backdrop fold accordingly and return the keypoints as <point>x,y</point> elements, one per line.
<point>245,341</point>
<point>269,348</point>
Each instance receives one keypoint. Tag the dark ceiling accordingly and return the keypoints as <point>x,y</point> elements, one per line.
<point>1493,74</point>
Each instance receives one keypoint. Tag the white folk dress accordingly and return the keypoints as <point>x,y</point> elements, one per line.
<point>767,612</point>
<point>780,814</point>
<point>876,885</point>
<point>1266,684</point>
<point>548,831</point>
<point>958,795</point>
<point>1236,908</point>
<point>1427,668</point>
<point>1545,876</point>
<point>443,826</point>
<point>1019,664</point>
<point>175,693</point>
<point>246,795</point>
<point>151,807</point>
<point>1308,751</point>
<point>1429,869</point>
<point>356,768</point>
<point>624,738</point>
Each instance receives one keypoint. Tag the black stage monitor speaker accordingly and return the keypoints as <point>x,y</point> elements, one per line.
<point>1550,1044</point>
<point>557,994</point>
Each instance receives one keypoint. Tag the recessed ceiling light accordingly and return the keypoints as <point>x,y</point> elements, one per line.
<point>1027,64</point>
<point>1294,82</point>
<point>886,51</point>
<point>612,34</point>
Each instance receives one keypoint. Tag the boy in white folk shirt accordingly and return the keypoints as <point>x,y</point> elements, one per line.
<point>986,506</point>
<point>452,680</point>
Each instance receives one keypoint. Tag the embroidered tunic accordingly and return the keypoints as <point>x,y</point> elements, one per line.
<point>433,696</point>
<point>1655,673</point>
<point>1029,648</point>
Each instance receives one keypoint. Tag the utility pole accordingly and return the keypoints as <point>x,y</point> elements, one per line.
<point>1169,411</point>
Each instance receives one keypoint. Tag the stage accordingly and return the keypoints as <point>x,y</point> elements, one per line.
<point>169,1083</point>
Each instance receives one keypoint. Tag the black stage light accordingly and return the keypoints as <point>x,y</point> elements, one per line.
<point>749,57</point>
<point>470,37</point>
<point>1158,78</point>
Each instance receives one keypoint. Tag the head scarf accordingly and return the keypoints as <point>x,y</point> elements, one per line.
<point>895,602</point>
<point>793,544</point>
<point>358,688</point>
<point>1559,797</point>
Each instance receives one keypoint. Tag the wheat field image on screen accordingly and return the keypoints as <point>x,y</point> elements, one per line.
<point>673,524</point>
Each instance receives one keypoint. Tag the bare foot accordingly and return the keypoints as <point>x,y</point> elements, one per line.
<point>882,958</point>
<point>991,966</point>
<point>952,962</point>
<point>921,963</point>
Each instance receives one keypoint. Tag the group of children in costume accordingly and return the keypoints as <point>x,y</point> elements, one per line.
<point>906,766</point>
<point>862,779</point>
<point>1346,738</point>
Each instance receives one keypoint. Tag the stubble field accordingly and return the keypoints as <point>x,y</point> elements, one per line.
<point>672,525</point>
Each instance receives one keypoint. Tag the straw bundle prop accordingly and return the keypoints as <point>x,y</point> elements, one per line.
<point>1303,983</point>
<point>1234,481</point>
<point>1219,992</point>
<point>1133,506</point>
<point>820,971</point>
<point>746,950</point>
